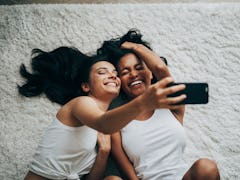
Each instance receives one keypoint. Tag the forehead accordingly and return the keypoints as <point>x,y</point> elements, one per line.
<point>102,64</point>
<point>129,60</point>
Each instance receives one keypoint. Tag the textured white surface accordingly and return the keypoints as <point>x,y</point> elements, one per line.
<point>201,42</point>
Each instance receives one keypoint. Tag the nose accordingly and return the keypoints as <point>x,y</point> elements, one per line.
<point>133,73</point>
<point>112,75</point>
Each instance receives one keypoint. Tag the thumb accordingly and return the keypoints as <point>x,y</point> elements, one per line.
<point>128,45</point>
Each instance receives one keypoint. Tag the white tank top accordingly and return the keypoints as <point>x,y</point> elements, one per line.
<point>65,152</point>
<point>155,146</point>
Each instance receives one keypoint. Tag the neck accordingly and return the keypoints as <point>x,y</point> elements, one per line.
<point>103,103</point>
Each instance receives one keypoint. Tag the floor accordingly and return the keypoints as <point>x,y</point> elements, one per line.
<point>12,2</point>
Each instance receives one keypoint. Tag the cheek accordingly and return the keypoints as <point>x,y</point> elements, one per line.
<point>123,81</point>
<point>95,83</point>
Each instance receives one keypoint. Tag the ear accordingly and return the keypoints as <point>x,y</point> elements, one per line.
<point>85,87</point>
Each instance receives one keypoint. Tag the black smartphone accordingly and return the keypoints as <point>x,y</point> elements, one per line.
<point>197,93</point>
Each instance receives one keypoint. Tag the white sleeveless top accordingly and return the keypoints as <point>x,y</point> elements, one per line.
<point>155,146</point>
<point>65,152</point>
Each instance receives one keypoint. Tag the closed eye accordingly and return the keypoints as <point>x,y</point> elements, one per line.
<point>102,71</point>
<point>124,72</point>
<point>139,67</point>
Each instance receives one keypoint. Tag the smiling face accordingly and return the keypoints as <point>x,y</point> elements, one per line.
<point>103,80</point>
<point>134,74</point>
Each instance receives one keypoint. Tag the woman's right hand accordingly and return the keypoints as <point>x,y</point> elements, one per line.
<point>156,96</point>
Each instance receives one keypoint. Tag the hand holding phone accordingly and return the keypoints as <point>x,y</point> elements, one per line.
<point>197,93</point>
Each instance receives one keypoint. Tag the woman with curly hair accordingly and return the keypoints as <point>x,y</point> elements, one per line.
<point>151,146</point>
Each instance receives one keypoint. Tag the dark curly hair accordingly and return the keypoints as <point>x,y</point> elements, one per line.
<point>113,47</point>
<point>115,52</point>
<point>57,74</point>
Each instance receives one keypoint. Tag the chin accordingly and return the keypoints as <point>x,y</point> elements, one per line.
<point>137,93</point>
<point>116,93</point>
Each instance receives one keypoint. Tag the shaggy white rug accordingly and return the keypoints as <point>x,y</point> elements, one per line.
<point>200,41</point>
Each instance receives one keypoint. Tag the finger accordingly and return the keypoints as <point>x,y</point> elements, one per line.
<point>104,142</point>
<point>99,135</point>
<point>164,82</point>
<point>174,89</point>
<point>173,100</point>
<point>169,101</point>
<point>128,45</point>
<point>100,138</point>
<point>103,139</point>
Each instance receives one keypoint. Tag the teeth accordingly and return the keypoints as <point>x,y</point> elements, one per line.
<point>136,82</point>
<point>112,84</point>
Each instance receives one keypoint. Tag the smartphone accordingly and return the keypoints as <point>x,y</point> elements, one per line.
<point>197,93</point>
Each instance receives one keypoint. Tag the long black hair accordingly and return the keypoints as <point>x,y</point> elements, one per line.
<point>58,74</point>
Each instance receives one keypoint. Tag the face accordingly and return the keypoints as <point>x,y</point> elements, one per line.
<point>103,80</point>
<point>134,74</point>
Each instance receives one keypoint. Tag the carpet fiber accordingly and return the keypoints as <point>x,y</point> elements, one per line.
<point>201,42</point>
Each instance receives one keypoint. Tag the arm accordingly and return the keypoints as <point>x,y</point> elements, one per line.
<point>122,160</point>
<point>86,110</point>
<point>99,166</point>
<point>158,67</point>
<point>151,59</point>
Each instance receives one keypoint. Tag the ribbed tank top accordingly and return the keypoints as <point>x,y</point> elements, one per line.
<point>65,152</point>
<point>155,146</point>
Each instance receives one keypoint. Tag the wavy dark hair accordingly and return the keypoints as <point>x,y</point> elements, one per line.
<point>115,52</point>
<point>113,47</point>
<point>58,74</point>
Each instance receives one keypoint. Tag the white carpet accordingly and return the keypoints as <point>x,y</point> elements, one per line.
<point>200,41</point>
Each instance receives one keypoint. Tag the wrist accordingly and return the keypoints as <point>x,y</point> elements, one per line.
<point>140,103</point>
<point>137,47</point>
<point>104,152</point>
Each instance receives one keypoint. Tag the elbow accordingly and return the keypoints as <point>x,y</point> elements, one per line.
<point>105,130</point>
<point>161,67</point>
<point>161,71</point>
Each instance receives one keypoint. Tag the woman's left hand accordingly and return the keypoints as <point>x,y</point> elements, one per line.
<point>130,45</point>
<point>104,142</point>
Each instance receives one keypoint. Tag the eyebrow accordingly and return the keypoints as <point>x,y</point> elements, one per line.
<point>104,68</point>
<point>134,66</point>
<point>101,68</point>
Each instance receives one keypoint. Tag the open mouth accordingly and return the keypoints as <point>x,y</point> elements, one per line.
<point>112,84</point>
<point>135,83</point>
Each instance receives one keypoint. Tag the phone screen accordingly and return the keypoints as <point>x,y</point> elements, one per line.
<point>197,93</point>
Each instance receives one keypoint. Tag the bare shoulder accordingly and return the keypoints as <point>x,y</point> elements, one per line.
<point>83,99</point>
<point>86,110</point>
<point>84,103</point>
<point>80,98</point>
